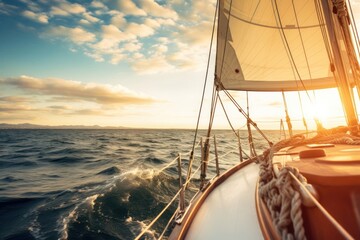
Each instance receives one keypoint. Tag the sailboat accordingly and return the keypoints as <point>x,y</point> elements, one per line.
<point>303,187</point>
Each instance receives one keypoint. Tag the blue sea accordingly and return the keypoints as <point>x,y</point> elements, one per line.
<point>97,184</point>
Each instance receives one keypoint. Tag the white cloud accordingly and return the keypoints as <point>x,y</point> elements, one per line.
<point>198,34</point>
<point>76,35</point>
<point>6,9</point>
<point>98,4</point>
<point>91,92</point>
<point>140,30</point>
<point>203,10</point>
<point>96,56</point>
<point>152,23</point>
<point>155,64</point>
<point>66,8</point>
<point>168,21</point>
<point>58,11</point>
<point>38,17</point>
<point>132,46</point>
<point>112,32</point>
<point>128,7</point>
<point>137,55</point>
<point>116,58</point>
<point>90,18</point>
<point>118,20</point>
<point>157,10</point>
<point>111,37</point>
<point>73,8</point>
<point>32,5</point>
<point>84,22</point>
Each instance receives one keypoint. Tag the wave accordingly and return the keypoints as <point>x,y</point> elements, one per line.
<point>65,159</point>
<point>109,171</point>
<point>90,184</point>
<point>66,151</point>
<point>11,179</point>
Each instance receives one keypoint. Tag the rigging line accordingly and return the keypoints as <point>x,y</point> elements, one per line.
<point>245,115</point>
<point>257,5</point>
<point>213,109</point>
<point>158,216</point>
<point>288,47</point>
<point>322,209</point>
<point>307,64</point>
<point>354,27</point>
<point>302,40</point>
<point>168,224</point>
<point>320,16</point>
<point>302,112</point>
<point>227,117</point>
<point>247,103</point>
<point>206,77</point>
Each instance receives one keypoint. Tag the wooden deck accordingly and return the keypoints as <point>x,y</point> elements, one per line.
<point>229,211</point>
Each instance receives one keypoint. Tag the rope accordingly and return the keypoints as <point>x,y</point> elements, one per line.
<point>245,114</point>
<point>280,189</point>
<point>286,44</point>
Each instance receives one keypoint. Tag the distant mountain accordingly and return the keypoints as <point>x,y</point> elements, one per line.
<point>34,126</point>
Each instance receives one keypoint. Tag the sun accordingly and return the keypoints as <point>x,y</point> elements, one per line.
<point>327,108</point>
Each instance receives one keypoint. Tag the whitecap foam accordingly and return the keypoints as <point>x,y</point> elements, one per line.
<point>137,227</point>
<point>91,200</point>
<point>65,223</point>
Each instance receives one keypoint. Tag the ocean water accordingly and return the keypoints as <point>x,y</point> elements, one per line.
<point>96,184</point>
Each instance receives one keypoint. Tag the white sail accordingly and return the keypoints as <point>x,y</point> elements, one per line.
<point>263,53</point>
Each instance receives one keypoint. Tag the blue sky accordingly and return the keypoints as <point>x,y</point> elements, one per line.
<point>135,63</point>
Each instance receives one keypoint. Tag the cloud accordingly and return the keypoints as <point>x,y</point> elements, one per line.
<point>98,4</point>
<point>122,31</point>
<point>96,56</point>
<point>198,34</point>
<point>91,92</point>
<point>155,64</point>
<point>116,58</point>
<point>113,32</point>
<point>76,35</point>
<point>90,18</point>
<point>14,107</point>
<point>14,99</point>
<point>130,8</point>
<point>38,17</point>
<point>132,46</point>
<point>118,20</point>
<point>202,10</point>
<point>140,30</point>
<point>109,44</point>
<point>7,9</point>
<point>72,8</point>
<point>56,11</point>
<point>32,5</point>
<point>157,10</point>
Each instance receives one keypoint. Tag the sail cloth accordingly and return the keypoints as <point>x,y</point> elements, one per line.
<point>270,45</point>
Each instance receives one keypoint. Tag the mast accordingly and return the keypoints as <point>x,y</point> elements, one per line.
<point>338,68</point>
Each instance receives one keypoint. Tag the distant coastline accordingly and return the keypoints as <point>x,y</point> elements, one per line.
<point>35,126</point>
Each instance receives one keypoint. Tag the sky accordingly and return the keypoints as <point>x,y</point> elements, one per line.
<point>131,63</point>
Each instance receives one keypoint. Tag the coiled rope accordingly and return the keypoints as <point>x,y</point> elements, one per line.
<point>281,191</point>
